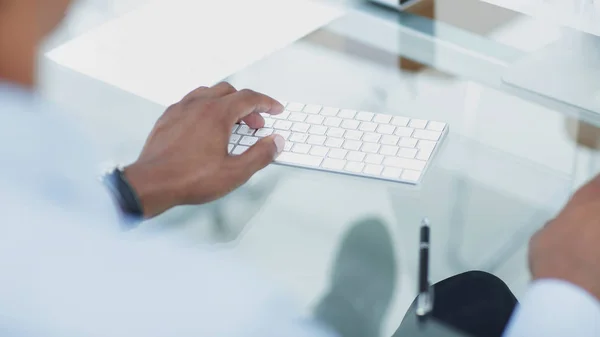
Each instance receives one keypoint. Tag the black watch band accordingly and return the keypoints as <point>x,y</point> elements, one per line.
<point>124,194</point>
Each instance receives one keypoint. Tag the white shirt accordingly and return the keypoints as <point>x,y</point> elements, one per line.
<point>67,270</point>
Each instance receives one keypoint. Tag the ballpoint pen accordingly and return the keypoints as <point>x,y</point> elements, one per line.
<point>425,297</point>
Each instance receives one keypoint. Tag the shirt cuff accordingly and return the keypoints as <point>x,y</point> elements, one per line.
<point>553,308</point>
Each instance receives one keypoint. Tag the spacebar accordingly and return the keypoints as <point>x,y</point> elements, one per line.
<point>299,159</point>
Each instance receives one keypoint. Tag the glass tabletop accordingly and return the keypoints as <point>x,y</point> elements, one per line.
<point>510,161</point>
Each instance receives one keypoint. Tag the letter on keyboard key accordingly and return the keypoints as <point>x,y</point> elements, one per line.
<point>392,172</point>
<point>283,133</point>
<point>407,142</point>
<point>333,121</point>
<point>374,159</point>
<point>389,150</point>
<point>317,130</point>
<point>347,113</point>
<point>301,148</point>
<point>427,135</point>
<point>356,156</point>
<point>418,123</point>
<point>382,119</point>
<point>334,142</point>
<point>234,139</point>
<point>319,151</point>
<point>316,140</point>
<point>282,125</point>
<point>264,132</point>
<point>239,150</point>
<point>371,137</point>
<point>353,135</point>
<point>333,164</point>
<point>367,127</point>
<point>410,175</point>
<point>245,130</point>
<point>407,153</point>
<point>312,109</point>
<point>373,170</point>
<point>386,129</point>
<point>354,167</point>
<point>315,119</point>
<point>299,159</point>
<point>298,137</point>
<point>350,124</point>
<point>248,140</point>
<point>404,163</point>
<point>297,117</point>
<point>300,127</point>
<point>365,116</point>
<point>331,112</point>
<point>390,140</point>
<point>336,132</point>
<point>337,153</point>
<point>295,107</point>
<point>370,148</point>
<point>352,145</point>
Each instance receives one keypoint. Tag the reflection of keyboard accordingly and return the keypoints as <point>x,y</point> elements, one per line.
<point>346,141</point>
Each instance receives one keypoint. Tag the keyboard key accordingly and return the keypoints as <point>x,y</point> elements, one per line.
<point>288,146</point>
<point>282,125</point>
<point>239,150</point>
<point>337,153</point>
<point>336,132</point>
<point>424,154</point>
<point>367,126</point>
<point>269,122</point>
<point>354,167</point>
<point>315,119</point>
<point>319,151</point>
<point>283,115</point>
<point>317,130</point>
<point>403,163</point>
<point>283,133</point>
<point>333,164</point>
<point>392,172</point>
<point>230,148</point>
<point>382,119</point>
<point>350,124</point>
<point>376,159</point>
<point>411,175</point>
<point>284,103</point>
<point>403,132</point>
<point>295,107</point>
<point>389,150</point>
<point>299,159</point>
<point>347,113</point>
<point>353,135</point>
<point>400,121</point>
<point>352,145</point>
<point>418,123</point>
<point>301,148</point>
<point>407,142</point>
<point>298,137</point>
<point>436,126</point>
<point>333,121</point>
<point>248,140</point>
<point>371,137</point>
<point>312,109</point>
<point>334,142</point>
<point>365,116</point>
<point>356,156</point>
<point>300,127</point>
<point>407,153</point>
<point>264,132</point>
<point>427,135</point>
<point>374,170</point>
<point>245,130</point>
<point>389,140</point>
<point>426,144</point>
<point>235,127</point>
<point>234,139</point>
<point>317,140</point>
<point>370,148</point>
<point>386,129</point>
<point>331,112</point>
<point>297,117</point>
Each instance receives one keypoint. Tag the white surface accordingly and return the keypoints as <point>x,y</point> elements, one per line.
<point>583,15</point>
<point>166,49</point>
<point>350,142</point>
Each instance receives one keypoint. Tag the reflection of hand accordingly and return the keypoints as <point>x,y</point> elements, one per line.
<point>185,159</point>
<point>568,248</point>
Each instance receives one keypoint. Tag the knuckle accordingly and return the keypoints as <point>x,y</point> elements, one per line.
<point>226,86</point>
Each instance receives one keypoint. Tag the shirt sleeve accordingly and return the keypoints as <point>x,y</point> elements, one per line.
<point>553,308</point>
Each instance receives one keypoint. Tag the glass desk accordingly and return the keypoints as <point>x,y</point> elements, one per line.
<point>510,161</point>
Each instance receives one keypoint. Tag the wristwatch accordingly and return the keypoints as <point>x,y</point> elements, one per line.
<point>123,193</point>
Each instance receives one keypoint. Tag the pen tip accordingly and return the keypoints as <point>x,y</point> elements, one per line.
<point>425,222</point>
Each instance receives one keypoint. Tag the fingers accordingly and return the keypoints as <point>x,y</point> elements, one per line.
<point>246,102</point>
<point>219,90</point>
<point>257,157</point>
<point>589,192</point>
<point>254,120</point>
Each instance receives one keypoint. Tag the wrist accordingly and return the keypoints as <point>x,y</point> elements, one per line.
<point>151,187</point>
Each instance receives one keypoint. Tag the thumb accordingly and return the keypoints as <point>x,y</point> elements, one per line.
<point>259,155</point>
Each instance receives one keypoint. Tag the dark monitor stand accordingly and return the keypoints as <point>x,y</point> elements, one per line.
<point>412,326</point>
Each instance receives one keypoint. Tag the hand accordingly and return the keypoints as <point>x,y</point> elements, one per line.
<point>185,159</point>
<point>568,248</point>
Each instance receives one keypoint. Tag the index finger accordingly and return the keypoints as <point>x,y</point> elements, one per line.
<point>246,102</point>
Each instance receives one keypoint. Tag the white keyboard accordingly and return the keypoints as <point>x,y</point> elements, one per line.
<point>346,141</point>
